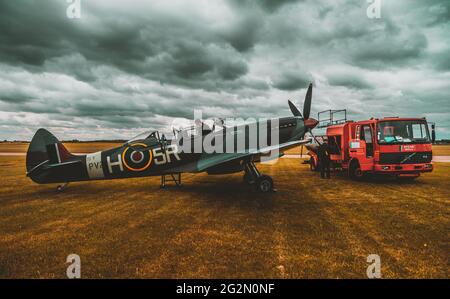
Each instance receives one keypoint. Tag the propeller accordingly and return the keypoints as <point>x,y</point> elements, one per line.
<point>307,104</point>
<point>294,109</point>
<point>310,123</point>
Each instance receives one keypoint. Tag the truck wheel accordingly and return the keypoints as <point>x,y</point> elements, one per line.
<point>355,171</point>
<point>265,184</point>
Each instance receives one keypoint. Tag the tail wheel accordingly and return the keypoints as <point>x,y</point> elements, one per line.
<point>62,187</point>
<point>355,171</point>
<point>265,184</point>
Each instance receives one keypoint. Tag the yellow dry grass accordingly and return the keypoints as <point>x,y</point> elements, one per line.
<point>216,227</point>
<point>441,150</point>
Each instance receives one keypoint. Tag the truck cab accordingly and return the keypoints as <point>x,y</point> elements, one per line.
<point>395,146</point>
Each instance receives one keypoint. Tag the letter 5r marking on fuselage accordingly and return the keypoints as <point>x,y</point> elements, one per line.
<point>165,155</point>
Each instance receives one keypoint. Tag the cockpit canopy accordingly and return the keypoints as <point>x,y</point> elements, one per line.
<point>145,137</point>
<point>200,128</point>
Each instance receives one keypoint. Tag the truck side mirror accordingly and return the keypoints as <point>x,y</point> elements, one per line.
<point>433,133</point>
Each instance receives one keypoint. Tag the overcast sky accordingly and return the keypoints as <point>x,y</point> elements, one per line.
<point>128,66</point>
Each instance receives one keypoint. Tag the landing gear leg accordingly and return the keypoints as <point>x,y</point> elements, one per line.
<point>252,176</point>
<point>173,177</point>
<point>249,175</point>
<point>62,187</point>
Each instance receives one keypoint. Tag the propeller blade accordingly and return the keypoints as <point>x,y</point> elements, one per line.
<point>294,109</point>
<point>310,132</point>
<point>307,104</point>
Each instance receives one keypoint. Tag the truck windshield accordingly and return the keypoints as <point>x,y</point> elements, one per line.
<point>403,131</point>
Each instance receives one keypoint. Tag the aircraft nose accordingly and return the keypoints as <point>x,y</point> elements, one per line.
<point>311,123</point>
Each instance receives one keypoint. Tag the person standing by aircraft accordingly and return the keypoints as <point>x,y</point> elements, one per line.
<point>324,160</point>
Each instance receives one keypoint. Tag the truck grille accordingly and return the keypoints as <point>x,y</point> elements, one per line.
<point>398,158</point>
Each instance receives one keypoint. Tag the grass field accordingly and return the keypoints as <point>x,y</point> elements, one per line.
<point>441,150</point>
<point>216,227</point>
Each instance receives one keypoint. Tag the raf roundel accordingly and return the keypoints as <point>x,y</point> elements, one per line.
<point>136,157</point>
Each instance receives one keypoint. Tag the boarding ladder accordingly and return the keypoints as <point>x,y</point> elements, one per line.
<point>168,177</point>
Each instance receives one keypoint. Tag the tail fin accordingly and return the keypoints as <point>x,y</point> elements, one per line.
<point>45,147</point>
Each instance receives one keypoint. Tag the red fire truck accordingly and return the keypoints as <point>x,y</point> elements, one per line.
<point>394,146</point>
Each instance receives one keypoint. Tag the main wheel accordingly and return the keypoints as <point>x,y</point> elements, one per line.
<point>355,171</point>
<point>265,183</point>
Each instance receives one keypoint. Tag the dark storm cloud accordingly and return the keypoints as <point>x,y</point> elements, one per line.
<point>441,61</point>
<point>31,31</point>
<point>273,5</point>
<point>349,81</point>
<point>188,60</point>
<point>244,34</point>
<point>126,66</point>
<point>163,49</point>
<point>439,13</point>
<point>292,81</point>
<point>388,51</point>
<point>15,98</point>
<point>267,5</point>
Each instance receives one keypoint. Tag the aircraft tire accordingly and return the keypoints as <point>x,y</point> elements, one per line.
<point>264,184</point>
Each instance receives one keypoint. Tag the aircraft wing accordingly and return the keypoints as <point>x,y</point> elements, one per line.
<point>211,160</point>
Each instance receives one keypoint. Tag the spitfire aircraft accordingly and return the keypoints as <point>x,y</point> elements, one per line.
<point>151,154</point>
